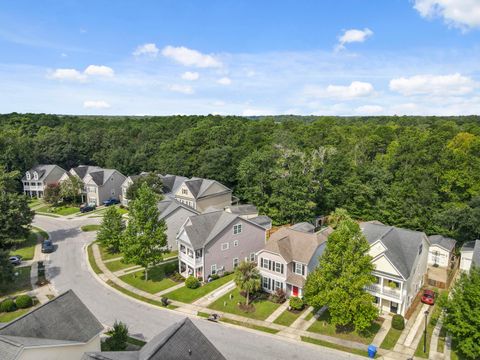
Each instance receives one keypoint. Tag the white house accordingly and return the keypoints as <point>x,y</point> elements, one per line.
<point>470,255</point>
<point>441,258</point>
<point>36,180</point>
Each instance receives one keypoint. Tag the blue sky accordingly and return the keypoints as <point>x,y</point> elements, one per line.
<point>348,57</point>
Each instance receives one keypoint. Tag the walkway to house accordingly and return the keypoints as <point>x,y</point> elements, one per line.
<point>386,325</point>
<point>277,312</point>
<point>412,334</point>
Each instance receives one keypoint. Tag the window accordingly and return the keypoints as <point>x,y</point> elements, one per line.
<point>377,300</point>
<point>252,257</point>
<point>265,283</point>
<point>28,176</point>
<point>213,269</point>
<point>224,246</point>
<point>237,229</point>
<point>264,263</point>
<point>235,243</point>
<point>235,262</point>
<point>184,192</point>
<point>198,254</point>
<point>113,192</point>
<point>278,267</point>
<point>299,269</point>
<point>35,175</point>
<point>190,253</point>
<point>182,249</point>
<point>278,285</point>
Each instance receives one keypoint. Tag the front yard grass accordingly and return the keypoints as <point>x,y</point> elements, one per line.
<point>107,255</point>
<point>262,307</point>
<point>391,339</point>
<point>63,210</point>
<point>250,326</point>
<point>117,265</point>
<point>188,296</point>
<point>288,317</point>
<point>91,260</point>
<point>157,279</point>
<point>91,227</point>
<point>323,326</point>
<point>9,316</point>
<point>335,346</point>
<point>26,248</point>
<point>20,283</point>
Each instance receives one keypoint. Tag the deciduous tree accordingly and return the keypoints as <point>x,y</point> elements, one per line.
<point>110,233</point>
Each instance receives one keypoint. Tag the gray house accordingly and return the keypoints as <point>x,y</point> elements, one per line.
<point>39,177</point>
<point>202,194</point>
<point>470,255</point>
<point>181,341</point>
<point>103,184</point>
<point>217,241</point>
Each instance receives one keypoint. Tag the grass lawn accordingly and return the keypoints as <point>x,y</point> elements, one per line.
<point>250,326</point>
<point>106,255</point>
<point>441,340</point>
<point>391,339</point>
<point>335,346</point>
<point>262,307</point>
<point>288,317</point>
<point>310,315</point>
<point>34,202</point>
<point>21,282</point>
<point>323,326</point>
<point>63,210</point>
<point>9,316</point>
<point>117,265</point>
<point>26,248</point>
<point>135,296</point>
<point>41,232</point>
<point>157,280</point>
<point>91,227</point>
<point>188,296</point>
<point>91,260</point>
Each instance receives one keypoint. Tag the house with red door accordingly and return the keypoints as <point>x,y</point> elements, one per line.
<point>289,256</point>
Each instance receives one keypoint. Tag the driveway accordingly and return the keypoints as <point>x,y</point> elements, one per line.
<point>67,269</point>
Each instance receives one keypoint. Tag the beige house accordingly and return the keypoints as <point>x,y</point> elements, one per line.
<point>201,194</point>
<point>289,256</point>
<point>60,329</point>
<point>80,172</point>
<point>36,180</point>
<point>126,184</point>
<point>470,255</point>
<point>440,260</point>
<point>103,184</point>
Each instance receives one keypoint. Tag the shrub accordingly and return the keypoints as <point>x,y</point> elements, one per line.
<point>398,322</point>
<point>225,273</point>
<point>279,296</point>
<point>192,282</point>
<point>118,338</point>
<point>200,278</point>
<point>8,305</point>
<point>23,301</point>
<point>296,303</point>
<point>214,277</point>
<point>170,268</point>
<point>165,301</point>
<point>177,277</point>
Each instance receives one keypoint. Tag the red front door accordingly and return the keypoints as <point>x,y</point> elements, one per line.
<point>294,291</point>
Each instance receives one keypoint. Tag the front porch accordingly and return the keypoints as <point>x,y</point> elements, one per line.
<point>187,270</point>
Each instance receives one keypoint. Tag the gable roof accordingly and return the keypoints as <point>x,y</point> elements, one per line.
<point>442,241</point>
<point>42,170</point>
<point>171,183</point>
<point>262,220</point>
<point>402,245</point>
<point>182,340</point>
<point>83,170</point>
<point>244,209</point>
<point>304,227</point>
<point>63,320</point>
<point>200,188</point>
<point>100,177</point>
<point>294,245</point>
<point>169,206</point>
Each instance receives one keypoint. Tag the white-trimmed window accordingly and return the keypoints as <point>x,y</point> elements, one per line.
<point>237,229</point>
<point>184,192</point>
<point>35,176</point>
<point>265,283</point>
<point>235,262</point>
<point>299,269</point>
<point>279,267</point>
<point>224,246</point>
<point>28,176</point>
<point>183,249</point>
<point>264,263</point>
<point>235,243</point>
<point>252,257</point>
<point>278,285</point>
<point>213,269</point>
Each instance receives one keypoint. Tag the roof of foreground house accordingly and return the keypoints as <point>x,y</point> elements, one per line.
<point>62,321</point>
<point>295,245</point>
<point>402,245</point>
<point>168,206</point>
<point>201,188</point>
<point>181,341</point>
<point>442,241</point>
<point>303,226</point>
<point>42,170</point>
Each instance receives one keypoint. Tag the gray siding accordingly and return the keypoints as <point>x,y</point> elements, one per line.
<point>219,201</point>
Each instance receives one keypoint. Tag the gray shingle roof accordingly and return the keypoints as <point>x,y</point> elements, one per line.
<point>442,241</point>
<point>303,226</point>
<point>9,350</point>
<point>42,170</point>
<point>402,244</point>
<point>181,341</point>
<point>83,170</point>
<point>205,187</point>
<point>262,220</point>
<point>171,183</point>
<point>244,209</point>
<point>168,206</point>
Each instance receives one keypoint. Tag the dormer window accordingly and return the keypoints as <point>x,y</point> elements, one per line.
<point>237,229</point>
<point>28,175</point>
<point>35,175</point>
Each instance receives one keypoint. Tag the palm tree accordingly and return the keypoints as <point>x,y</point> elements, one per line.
<point>247,278</point>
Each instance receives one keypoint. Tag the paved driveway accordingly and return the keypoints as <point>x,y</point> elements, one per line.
<point>67,269</point>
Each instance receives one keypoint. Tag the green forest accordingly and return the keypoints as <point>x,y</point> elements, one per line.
<point>421,173</point>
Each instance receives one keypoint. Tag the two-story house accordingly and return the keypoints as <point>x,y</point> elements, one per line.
<point>39,177</point>
<point>400,257</point>
<point>470,255</point>
<point>103,184</point>
<point>440,260</point>
<point>289,256</point>
<point>80,172</point>
<point>202,194</point>
<point>126,184</point>
<point>216,242</point>
<point>171,184</point>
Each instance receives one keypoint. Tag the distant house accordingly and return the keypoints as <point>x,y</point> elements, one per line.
<point>103,184</point>
<point>400,257</point>
<point>62,328</point>
<point>202,194</point>
<point>171,184</point>
<point>181,341</point>
<point>36,180</point>
<point>80,172</point>
<point>216,242</point>
<point>470,255</point>
<point>440,260</point>
<point>289,256</point>
<point>250,212</point>
<point>126,184</point>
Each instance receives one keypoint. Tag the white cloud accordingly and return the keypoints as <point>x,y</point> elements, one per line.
<point>96,104</point>
<point>256,112</point>
<point>463,14</point>
<point>189,57</point>
<point>453,84</point>
<point>189,75</point>
<point>149,49</point>
<point>353,35</point>
<point>99,70</point>
<point>184,89</point>
<point>68,74</point>
<point>369,109</point>
<point>354,90</point>
<point>224,81</point>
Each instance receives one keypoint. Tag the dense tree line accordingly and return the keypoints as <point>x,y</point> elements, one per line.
<point>421,173</point>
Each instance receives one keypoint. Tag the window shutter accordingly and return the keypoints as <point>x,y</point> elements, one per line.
<point>269,264</point>
<point>282,269</point>
<point>303,269</point>
<point>269,281</point>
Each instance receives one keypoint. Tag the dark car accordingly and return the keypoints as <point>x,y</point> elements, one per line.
<point>111,201</point>
<point>428,297</point>
<point>87,208</point>
<point>47,246</point>
<point>15,260</point>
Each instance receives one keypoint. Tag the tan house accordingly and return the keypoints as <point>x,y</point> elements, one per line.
<point>440,260</point>
<point>103,184</point>
<point>289,256</point>
<point>36,180</point>
<point>60,329</point>
<point>201,194</point>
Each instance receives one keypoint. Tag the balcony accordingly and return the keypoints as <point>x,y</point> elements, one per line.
<point>385,290</point>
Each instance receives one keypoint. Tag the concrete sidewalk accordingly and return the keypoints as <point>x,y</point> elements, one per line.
<point>214,295</point>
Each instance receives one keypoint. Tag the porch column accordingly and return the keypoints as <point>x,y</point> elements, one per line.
<point>381,285</point>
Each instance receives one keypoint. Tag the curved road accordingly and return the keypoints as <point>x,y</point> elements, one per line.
<point>67,268</point>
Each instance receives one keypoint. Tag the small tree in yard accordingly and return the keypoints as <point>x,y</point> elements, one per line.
<point>343,272</point>
<point>462,314</point>
<point>71,188</point>
<point>111,230</point>
<point>118,338</point>
<point>153,181</point>
<point>51,194</point>
<point>145,239</point>
<point>247,278</point>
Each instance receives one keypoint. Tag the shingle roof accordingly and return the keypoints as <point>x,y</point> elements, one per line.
<point>181,341</point>
<point>294,245</point>
<point>9,350</point>
<point>83,170</point>
<point>303,226</point>
<point>62,320</point>
<point>263,221</point>
<point>42,170</point>
<point>168,206</point>
<point>205,187</point>
<point>244,209</point>
<point>295,280</point>
<point>171,183</point>
<point>402,244</point>
<point>442,241</point>
<point>101,176</point>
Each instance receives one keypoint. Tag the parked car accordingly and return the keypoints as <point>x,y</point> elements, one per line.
<point>428,297</point>
<point>110,201</point>
<point>87,208</point>
<point>47,246</point>
<point>15,260</point>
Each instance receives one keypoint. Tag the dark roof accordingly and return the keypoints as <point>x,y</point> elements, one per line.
<point>182,340</point>
<point>42,170</point>
<point>402,244</point>
<point>303,226</point>
<point>63,320</point>
<point>171,183</point>
<point>263,221</point>
<point>83,170</point>
<point>201,188</point>
<point>101,176</point>
<point>168,206</point>
<point>442,241</point>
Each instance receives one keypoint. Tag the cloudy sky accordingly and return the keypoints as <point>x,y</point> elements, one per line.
<point>245,57</point>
